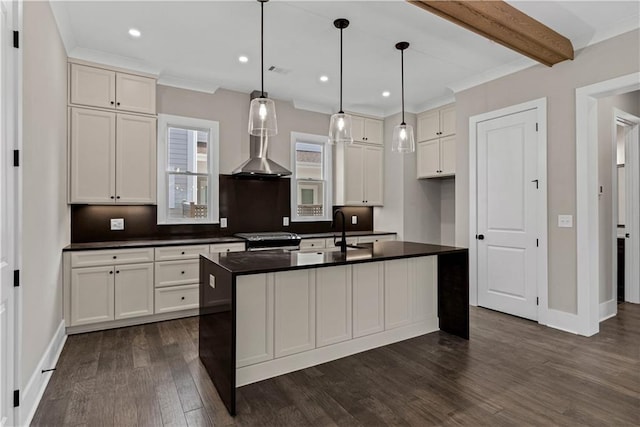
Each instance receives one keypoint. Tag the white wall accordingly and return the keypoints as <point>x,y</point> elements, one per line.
<point>611,58</point>
<point>45,215</point>
<point>607,157</point>
<point>448,211</point>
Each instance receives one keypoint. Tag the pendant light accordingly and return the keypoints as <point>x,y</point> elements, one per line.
<point>403,141</point>
<point>262,114</point>
<point>340,126</point>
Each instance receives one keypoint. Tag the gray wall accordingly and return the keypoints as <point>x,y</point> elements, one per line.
<point>614,57</point>
<point>45,214</point>
<point>607,148</point>
<point>231,110</point>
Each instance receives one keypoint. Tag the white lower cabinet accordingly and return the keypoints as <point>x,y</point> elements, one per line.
<point>333,305</point>
<point>92,299</point>
<point>295,312</point>
<point>254,319</point>
<point>424,282</point>
<point>398,291</point>
<point>368,298</point>
<point>133,290</point>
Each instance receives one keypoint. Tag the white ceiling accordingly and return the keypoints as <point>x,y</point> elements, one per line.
<point>196,44</point>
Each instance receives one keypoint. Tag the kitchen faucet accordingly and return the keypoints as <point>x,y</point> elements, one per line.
<point>343,242</point>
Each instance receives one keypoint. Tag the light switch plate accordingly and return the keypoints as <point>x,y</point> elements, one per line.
<point>285,221</point>
<point>223,222</point>
<point>565,221</point>
<point>117,223</point>
<point>354,219</point>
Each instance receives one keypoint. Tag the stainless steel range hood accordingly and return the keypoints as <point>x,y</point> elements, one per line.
<point>259,164</point>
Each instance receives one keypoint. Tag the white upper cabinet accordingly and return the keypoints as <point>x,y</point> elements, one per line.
<point>103,88</point>
<point>367,130</point>
<point>359,175</point>
<point>436,148</point>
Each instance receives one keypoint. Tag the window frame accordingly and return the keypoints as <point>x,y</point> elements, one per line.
<point>165,121</point>
<point>327,174</point>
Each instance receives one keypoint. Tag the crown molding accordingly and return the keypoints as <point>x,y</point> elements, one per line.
<point>117,61</point>
<point>182,83</point>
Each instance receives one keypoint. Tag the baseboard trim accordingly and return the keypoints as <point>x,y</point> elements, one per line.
<point>273,368</point>
<point>563,321</point>
<point>30,397</point>
<point>608,309</point>
<point>81,329</point>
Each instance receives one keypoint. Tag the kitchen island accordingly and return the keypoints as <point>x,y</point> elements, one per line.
<point>266,313</point>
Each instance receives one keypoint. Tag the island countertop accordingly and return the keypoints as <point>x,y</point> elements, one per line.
<point>242,263</point>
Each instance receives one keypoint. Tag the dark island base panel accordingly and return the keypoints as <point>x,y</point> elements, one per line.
<point>453,293</point>
<point>217,331</point>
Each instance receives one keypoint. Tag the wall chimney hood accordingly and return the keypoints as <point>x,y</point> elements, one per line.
<point>259,164</point>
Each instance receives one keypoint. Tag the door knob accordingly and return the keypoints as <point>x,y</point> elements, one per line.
<point>480,236</point>
<point>627,235</point>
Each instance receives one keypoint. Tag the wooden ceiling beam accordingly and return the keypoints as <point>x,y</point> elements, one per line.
<point>504,24</point>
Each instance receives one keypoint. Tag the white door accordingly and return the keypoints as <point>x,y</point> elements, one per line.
<point>135,93</point>
<point>428,158</point>
<point>8,222</point>
<point>632,214</point>
<point>507,214</point>
<point>133,290</point>
<point>354,174</point>
<point>135,159</point>
<point>333,305</point>
<point>373,176</point>
<point>295,312</point>
<point>92,86</point>
<point>398,294</point>
<point>368,298</point>
<point>92,295</point>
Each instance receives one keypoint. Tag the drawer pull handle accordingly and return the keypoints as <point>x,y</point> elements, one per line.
<point>182,252</point>
<point>182,272</point>
<point>114,257</point>
<point>182,298</point>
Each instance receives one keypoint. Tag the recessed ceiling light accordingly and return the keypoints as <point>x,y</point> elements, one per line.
<point>386,93</point>
<point>243,59</point>
<point>324,78</point>
<point>134,32</point>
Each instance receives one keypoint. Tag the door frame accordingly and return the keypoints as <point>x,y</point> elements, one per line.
<point>587,215</point>
<point>540,105</point>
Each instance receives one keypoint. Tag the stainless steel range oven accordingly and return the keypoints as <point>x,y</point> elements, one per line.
<point>272,240</point>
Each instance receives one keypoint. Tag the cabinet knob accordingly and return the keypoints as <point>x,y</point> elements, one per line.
<point>182,272</point>
<point>117,197</point>
<point>113,197</point>
<point>112,102</point>
<point>111,272</point>
<point>182,252</point>
<point>228,250</point>
<point>182,298</point>
<point>115,257</point>
<point>117,271</point>
<point>118,103</point>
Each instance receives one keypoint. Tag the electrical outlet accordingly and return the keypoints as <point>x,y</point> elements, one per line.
<point>223,222</point>
<point>354,219</point>
<point>565,221</point>
<point>117,223</point>
<point>212,281</point>
<point>285,221</point>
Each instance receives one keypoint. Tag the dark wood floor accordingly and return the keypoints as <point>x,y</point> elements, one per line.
<point>511,372</point>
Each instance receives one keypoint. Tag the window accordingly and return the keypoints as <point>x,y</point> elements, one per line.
<point>187,170</point>
<point>310,181</point>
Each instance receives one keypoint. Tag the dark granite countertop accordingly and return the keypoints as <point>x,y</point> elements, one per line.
<point>349,234</point>
<point>242,263</point>
<point>123,244</point>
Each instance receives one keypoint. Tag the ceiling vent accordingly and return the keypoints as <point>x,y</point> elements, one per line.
<point>279,70</point>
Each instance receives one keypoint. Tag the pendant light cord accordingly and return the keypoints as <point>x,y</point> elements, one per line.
<point>341,112</point>
<point>262,47</point>
<point>402,79</point>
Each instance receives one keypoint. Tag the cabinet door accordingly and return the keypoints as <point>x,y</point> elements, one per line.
<point>357,128</point>
<point>133,290</point>
<point>136,159</point>
<point>424,279</point>
<point>92,86</point>
<point>92,291</point>
<point>333,305</point>
<point>428,125</point>
<point>295,312</point>
<point>428,158</point>
<point>373,176</point>
<point>135,93</point>
<point>397,294</point>
<point>92,156</point>
<point>448,120</point>
<point>354,175</point>
<point>373,131</point>
<point>448,156</point>
<point>254,319</point>
<point>368,298</point>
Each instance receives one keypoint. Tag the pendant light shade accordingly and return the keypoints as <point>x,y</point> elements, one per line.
<point>403,140</point>
<point>340,125</point>
<point>262,113</point>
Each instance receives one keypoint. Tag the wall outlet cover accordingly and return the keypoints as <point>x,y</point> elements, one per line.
<point>117,223</point>
<point>223,222</point>
<point>354,219</point>
<point>285,221</point>
<point>565,221</point>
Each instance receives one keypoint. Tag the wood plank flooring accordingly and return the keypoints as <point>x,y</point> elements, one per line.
<point>511,372</point>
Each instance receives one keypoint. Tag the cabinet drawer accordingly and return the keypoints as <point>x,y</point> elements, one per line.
<point>227,247</point>
<point>180,252</point>
<point>376,238</point>
<point>173,273</point>
<point>111,257</point>
<point>312,243</point>
<point>176,298</point>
